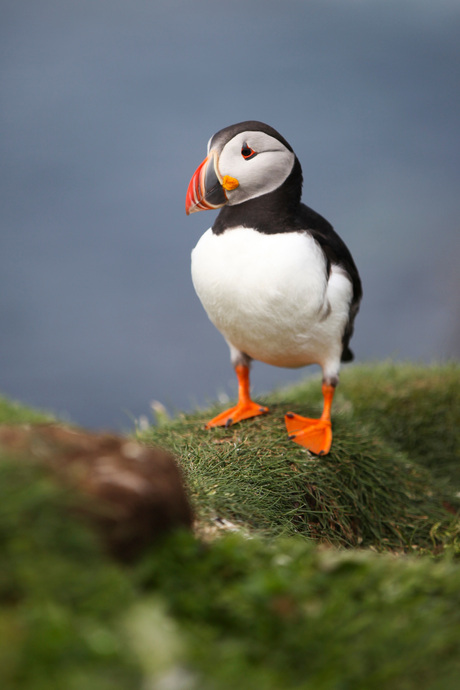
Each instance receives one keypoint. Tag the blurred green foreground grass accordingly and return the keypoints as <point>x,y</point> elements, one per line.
<point>333,574</point>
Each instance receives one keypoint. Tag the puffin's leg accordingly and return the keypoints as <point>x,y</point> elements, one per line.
<point>245,408</point>
<point>314,434</point>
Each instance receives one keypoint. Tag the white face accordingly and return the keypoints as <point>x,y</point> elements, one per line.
<point>259,173</point>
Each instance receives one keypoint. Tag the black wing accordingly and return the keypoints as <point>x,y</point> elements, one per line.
<point>336,252</point>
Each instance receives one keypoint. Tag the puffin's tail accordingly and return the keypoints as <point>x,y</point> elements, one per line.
<point>347,355</point>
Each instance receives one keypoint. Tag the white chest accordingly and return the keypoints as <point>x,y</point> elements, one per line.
<point>265,293</point>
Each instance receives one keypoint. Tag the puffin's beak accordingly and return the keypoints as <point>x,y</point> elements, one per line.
<point>205,190</point>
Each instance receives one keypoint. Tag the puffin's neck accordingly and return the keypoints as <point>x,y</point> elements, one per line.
<point>270,213</point>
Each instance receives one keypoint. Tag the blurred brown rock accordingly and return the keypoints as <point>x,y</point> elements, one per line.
<point>132,493</point>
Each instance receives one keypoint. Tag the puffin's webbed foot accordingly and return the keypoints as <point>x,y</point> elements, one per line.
<point>313,434</point>
<point>243,410</point>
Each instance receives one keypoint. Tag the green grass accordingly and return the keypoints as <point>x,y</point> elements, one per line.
<point>415,408</point>
<point>60,598</point>
<point>302,597</point>
<point>12,412</point>
<point>282,614</point>
<point>391,473</point>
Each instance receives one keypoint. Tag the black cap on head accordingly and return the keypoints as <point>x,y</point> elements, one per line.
<point>221,137</point>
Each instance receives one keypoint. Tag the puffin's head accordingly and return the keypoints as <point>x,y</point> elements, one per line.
<point>244,161</point>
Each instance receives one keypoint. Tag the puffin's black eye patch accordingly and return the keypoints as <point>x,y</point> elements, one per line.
<point>247,152</point>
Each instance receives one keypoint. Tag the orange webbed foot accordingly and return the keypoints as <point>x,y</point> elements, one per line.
<point>313,434</point>
<point>243,410</point>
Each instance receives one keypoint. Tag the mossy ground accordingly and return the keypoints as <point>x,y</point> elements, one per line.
<point>298,597</point>
<point>392,474</point>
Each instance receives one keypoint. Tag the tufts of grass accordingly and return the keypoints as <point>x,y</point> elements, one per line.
<point>271,611</point>
<point>265,613</point>
<point>417,409</point>
<point>375,489</point>
<point>12,412</point>
<point>283,614</point>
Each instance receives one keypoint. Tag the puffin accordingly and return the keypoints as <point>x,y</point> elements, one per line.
<point>272,274</point>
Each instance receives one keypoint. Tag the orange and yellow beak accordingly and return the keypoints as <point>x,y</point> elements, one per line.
<point>206,190</point>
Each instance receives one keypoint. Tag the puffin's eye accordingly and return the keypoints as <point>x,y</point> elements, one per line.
<point>247,152</point>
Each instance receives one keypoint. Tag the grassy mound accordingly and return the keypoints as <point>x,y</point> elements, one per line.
<point>391,480</point>
<point>270,611</point>
<point>12,412</point>
<point>250,613</point>
<point>415,408</point>
<point>282,614</point>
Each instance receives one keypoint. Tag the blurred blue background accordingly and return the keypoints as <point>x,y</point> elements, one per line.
<point>106,109</point>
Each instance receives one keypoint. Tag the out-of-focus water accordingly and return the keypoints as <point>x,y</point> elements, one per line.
<point>106,109</point>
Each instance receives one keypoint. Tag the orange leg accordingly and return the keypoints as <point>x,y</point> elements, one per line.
<point>314,434</point>
<point>245,407</point>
